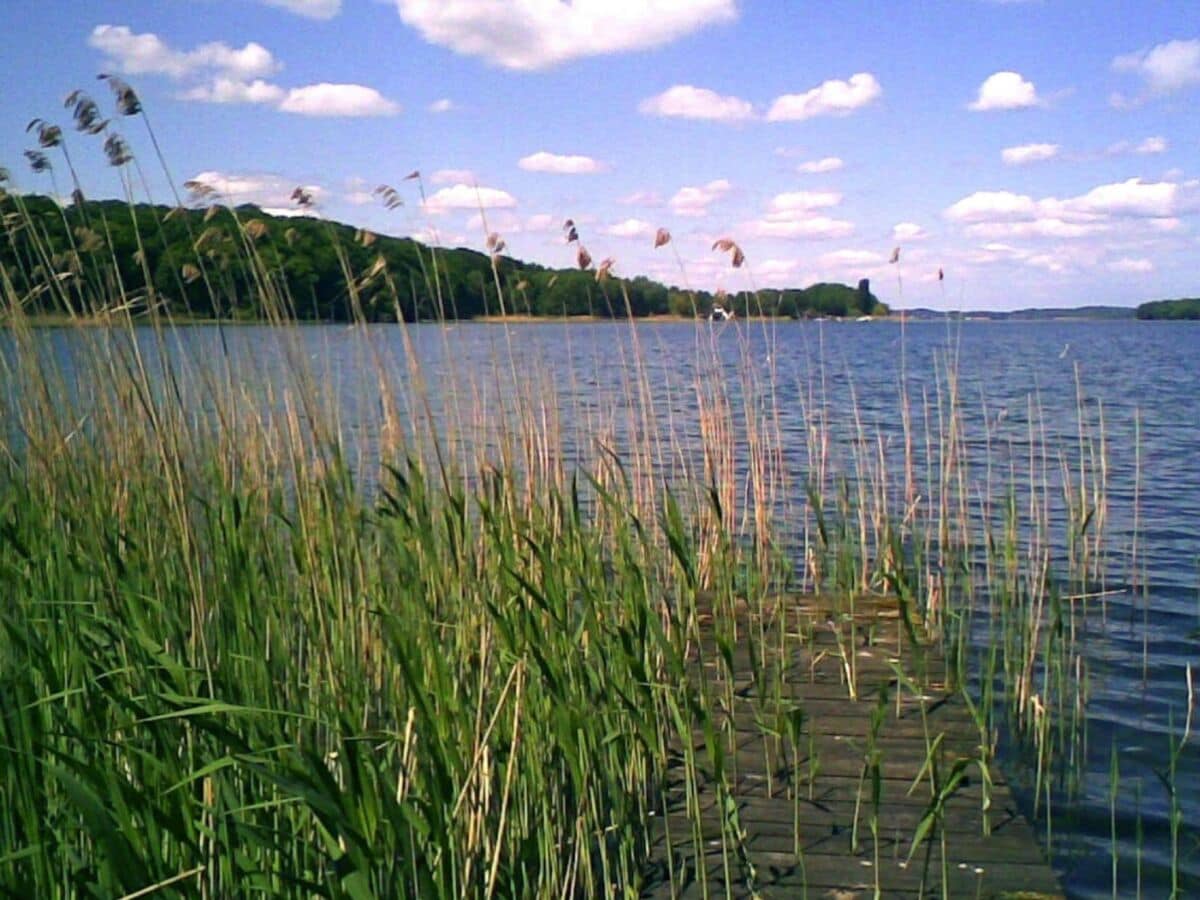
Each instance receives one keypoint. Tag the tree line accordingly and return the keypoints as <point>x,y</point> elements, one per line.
<point>218,262</point>
<point>1184,308</point>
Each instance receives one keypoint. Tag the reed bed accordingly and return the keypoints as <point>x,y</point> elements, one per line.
<point>440,641</point>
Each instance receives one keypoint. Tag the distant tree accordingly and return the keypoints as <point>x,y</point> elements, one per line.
<point>1184,308</point>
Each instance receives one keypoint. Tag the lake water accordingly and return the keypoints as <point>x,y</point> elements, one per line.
<point>1142,377</point>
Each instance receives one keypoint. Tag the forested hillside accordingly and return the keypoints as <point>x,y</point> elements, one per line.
<point>242,263</point>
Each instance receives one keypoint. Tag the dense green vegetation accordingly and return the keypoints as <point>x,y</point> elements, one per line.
<point>196,262</point>
<point>1184,308</point>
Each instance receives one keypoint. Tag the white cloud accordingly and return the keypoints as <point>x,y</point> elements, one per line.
<point>327,99</point>
<point>1048,227</point>
<point>830,98</point>
<point>147,54</point>
<point>819,166</point>
<point>287,212</point>
<point>775,270</point>
<point>1028,153</point>
<point>814,227</point>
<point>559,164</point>
<point>630,228</point>
<point>271,192</point>
<point>535,34</point>
<point>793,214</point>
<point>464,196</point>
<point>1051,262</point>
<point>1128,264</point>
<point>641,198</point>
<point>694,201</point>
<point>311,9</point>
<point>542,222</point>
<point>443,105</point>
<point>803,201</point>
<point>1130,206</point>
<point>223,74</point>
<point>1005,90</point>
<point>452,176</point>
<point>1152,145</point>
<point>228,90</point>
<point>684,101</point>
<point>990,206</point>
<point>1129,198</point>
<point>908,231</point>
<point>433,236</point>
<point>1165,68</point>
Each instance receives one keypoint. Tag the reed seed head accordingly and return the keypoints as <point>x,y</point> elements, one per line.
<point>389,196</point>
<point>48,135</point>
<point>38,161</point>
<point>302,198</point>
<point>126,97</point>
<point>117,150</point>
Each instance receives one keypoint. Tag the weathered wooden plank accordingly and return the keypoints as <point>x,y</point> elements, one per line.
<point>814,797</point>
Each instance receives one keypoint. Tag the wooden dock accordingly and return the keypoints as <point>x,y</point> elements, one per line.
<point>828,804</point>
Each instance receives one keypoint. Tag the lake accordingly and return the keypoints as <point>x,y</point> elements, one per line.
<point>1022,386</point>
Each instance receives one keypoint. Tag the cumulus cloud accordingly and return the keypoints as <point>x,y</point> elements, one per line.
<point>985,206</point>
<point>685,101</point>
<point>536,34</point>
<point>1130,264</point>
<point>695,201</point>
<point>799,214</point>
<point>147,54</point>
<point>327,99</point>
<point>465,196</point>
<point>1146,147</point>
<point>229,90</point>
<point>803,201</point>
<point>218,73</point>
<point>1028,153</point>
<point>443,105</point>
<point>1005,90</point>
<point>311,9</point>
<point>272,193</point>
<point>908,231</point>
<point>559,164</point>
<point>1002,214</point>
<point>811,227</point>
<point>820,166</point>
<point>1134,197</point>
<point>630,228</point>
<point>830,98</point>
<point>1036,228</point>
<point>1164,68</point>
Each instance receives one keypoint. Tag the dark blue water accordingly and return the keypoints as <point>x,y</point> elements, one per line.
<point>1021,386</point>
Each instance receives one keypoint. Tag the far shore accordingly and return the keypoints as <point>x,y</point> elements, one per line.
<point>61,320</point>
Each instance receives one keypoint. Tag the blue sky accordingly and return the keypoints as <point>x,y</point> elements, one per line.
<point>1043,153</point>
